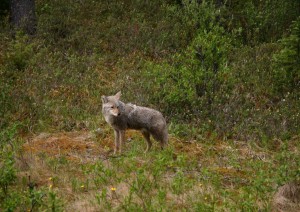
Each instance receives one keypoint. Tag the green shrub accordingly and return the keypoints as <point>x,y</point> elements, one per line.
<point>7,171</point>
<point>223,89</point>
<point>19,53</point>
<point>197,74</point>
<point>258,22</point>
<point>287,61</point>
<point>11,202</point>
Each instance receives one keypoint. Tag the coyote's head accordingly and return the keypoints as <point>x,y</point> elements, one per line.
<point>110,104</point>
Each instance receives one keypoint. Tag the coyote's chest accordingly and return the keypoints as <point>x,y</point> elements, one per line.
<point>116,122</point>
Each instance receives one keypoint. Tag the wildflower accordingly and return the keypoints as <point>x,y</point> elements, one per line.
<point>106,148</point>
<point>113,193</point>
<point>50,178</point>
<point>82,186</point>
<point>50,186</point>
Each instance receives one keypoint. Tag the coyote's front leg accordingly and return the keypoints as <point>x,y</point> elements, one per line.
<point>117,139</point>
<point>122,139</point>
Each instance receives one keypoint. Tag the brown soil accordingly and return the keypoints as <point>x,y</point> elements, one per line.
<point>73,145</point>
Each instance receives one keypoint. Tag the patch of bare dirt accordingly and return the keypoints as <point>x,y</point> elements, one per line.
<point>75,146</point>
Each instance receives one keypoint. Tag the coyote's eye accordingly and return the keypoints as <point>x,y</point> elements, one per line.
<point>112,107</point>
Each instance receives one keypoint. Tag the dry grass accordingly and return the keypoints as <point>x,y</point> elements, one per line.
<point>287,198</point>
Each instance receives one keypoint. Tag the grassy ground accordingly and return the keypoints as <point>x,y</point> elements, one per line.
<point>76,171</point>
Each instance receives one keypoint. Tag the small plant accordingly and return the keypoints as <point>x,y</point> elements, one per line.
<point>36,198</point>
<point>102,199</point>
<point>19,53</point>
<point>54,203</point>
<point>11,202</point>
<point>7,171</point>
<point>74,184</point>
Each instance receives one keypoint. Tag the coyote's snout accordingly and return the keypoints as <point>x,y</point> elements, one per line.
<point>123,116</point>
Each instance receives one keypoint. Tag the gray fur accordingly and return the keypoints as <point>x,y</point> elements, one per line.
<point>123,116</point>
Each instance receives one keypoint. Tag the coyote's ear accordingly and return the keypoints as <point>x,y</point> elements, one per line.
<point>104,99</point>
<point>118,95</point>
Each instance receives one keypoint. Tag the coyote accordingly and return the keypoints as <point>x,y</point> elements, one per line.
<point>121,116</point>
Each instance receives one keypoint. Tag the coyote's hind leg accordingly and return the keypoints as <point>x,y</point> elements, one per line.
<point>146,135</point>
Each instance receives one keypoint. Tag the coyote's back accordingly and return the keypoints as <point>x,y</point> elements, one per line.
<point>143,118</point>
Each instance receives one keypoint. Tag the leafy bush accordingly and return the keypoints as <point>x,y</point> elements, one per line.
<point>19,53</point>
<point>197,74</point>
<point>7,171</point>
<point>258,21</point>
<point>287,61</point>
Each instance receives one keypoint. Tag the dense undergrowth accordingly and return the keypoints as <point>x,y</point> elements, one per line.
<point>193,61</point>
<point>218,70</point>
